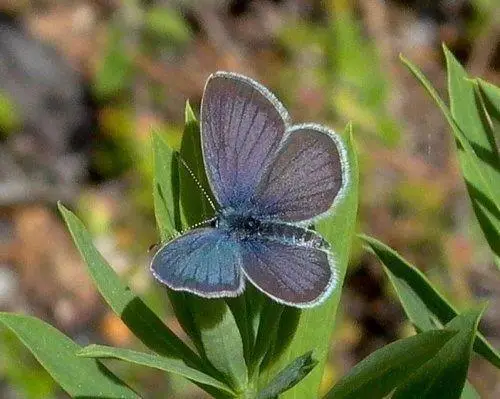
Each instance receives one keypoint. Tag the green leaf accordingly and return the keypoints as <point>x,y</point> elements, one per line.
<point>239,310</point>
<point>290,376</point>
<point>481,181</point>
<point>247,309</point>
<point>221,339</point>
<point>444,375</point>
<point>196,196</point>
<point>15,366</point>
<point>467,112</point>
<point>216,327</point>
<point>268,327</point>
<point>313,327</point>
<point>169,364</point>
<point>423,304</point>
<point>79,377</point>
<point>492,96</point>
<point>254,301</point>
<point>467,109</point>
<point>141,320</point>
<point>166,195</point>
<point>165,188</point>
<point>380,373</point>
<point>115,71</point>
<point>469,392</point>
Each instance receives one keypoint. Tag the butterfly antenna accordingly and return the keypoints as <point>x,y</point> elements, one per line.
<point>199,224</point>
<point>198,184</point>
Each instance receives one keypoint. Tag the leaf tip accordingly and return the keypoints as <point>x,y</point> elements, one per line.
<point>189,116</point>
<point>403,59</point>
<point>65,212</point>
<point>445,48</point>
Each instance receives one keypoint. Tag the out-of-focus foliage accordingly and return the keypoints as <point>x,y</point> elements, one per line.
<point>345,67</point>
<point>167,25</point>
<point>9,117</point>
<point>330,62</point>
<point>115,71</point>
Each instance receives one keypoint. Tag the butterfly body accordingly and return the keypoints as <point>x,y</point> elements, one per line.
<point>237,224</point>
<point>245,227</point>
<point>271,181</point>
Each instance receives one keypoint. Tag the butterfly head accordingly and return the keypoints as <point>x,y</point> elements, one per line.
<point>238,224</point>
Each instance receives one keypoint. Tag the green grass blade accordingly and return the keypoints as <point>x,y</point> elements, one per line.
<point>380,373</point>
<point>444,376</point>
<point>314,326</point>
<point>79,377</point>
<point>422,303</point>
<point>141,320</point>
<point>169,364</point>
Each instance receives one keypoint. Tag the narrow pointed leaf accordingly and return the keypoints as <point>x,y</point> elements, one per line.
<point>165,188</point>
<point>422,303</point>
<point>380,373</point>
<point>194,189</point>
<point>444,376</point>
<point>141,320</point>
<point>221,339</point>
<point>239,310</point>
<point>214,324</point>
<point>79,377</point>
<point>289,377</point>
<point>467,109</point>
<point>311,329</point>
<point>480,178</point>
<point>267,332</point>
<point>467,112</point>
<point>169,364</point>
<point>166,195</point>
<point>492,96</point>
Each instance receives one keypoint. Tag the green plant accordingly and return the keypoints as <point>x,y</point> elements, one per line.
<point>251,347</point>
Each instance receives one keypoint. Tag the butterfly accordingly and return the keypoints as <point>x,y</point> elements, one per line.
<point>271,180</point>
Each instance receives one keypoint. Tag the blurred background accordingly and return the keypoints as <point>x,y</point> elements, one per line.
<point>83,82</point>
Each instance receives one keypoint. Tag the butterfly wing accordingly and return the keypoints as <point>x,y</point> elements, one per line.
<point>295,275</point>
<point>203,261</point>
<point>242,125</point>
<point>307,175</point>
